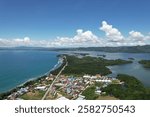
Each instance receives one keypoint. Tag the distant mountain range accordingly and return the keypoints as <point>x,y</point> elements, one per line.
<point>28,48</point>
<point>125,49</point>
<point>129,49</point>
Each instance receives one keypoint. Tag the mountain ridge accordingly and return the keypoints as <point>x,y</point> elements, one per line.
<point>124,49</point>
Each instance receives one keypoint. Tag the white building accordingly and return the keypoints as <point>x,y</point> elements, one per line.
<point>104,81</point>
<point>86,76</point>
<point>80,97</point>
<point>62,98</point>
<point>98,92</point>
<point>93,77</point>
<point>43,88</point>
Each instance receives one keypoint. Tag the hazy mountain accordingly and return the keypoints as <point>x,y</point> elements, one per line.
<point>126,49</point>
<point>129,49</point>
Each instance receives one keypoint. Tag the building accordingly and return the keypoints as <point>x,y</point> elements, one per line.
<point>80,97</point>
<point>43,88</point>
<point>87,76</point>
<point>62,98</point>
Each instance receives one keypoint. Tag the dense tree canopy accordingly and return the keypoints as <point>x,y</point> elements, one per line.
<point>90,65</point>
<point>131,89</point>
<point>146,63</point>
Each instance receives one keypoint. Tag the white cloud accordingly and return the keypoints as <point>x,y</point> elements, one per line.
<point>113,34</point>
<point>84,39</point>
<point>136,36</point>
<point>18,42</point>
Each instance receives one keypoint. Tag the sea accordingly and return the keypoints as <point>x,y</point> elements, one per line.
<point>19,66</point>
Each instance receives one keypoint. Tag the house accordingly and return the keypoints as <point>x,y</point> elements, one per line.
<point>80,97</point>
<point>93,77</point>
<point>43,88</point>
<point>22,90</point>
<point>62,98</point>
<point>59,84</point>
<point>49,78</point>
<point>87,76</point>
<point>105,81</point>
<point>98,92</point>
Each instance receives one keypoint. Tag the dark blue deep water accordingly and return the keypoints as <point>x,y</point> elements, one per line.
<point>17,67</point>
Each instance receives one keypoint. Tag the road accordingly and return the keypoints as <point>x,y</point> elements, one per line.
<point>50,87</point>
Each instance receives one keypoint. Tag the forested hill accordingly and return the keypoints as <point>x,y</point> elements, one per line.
<point>126,49</point>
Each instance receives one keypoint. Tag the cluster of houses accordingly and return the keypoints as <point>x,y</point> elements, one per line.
<point>99,78</point>
<point>71,86</point>
<point>16,94</point>
<point>74,86</point>
<point>41,85</point>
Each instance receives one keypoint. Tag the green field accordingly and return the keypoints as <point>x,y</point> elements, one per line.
<point>34,95</point>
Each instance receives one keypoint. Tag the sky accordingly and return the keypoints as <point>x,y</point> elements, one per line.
<point>74,23</point>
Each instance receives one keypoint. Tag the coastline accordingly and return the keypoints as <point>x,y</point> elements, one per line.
<point>55,67</point>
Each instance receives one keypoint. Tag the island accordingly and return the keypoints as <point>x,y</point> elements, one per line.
<point>145,63</point>
<point>131,58</point>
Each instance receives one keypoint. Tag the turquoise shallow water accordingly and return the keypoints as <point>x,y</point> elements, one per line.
<point>17,67</point>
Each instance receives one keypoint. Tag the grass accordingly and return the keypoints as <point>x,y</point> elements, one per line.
<point>34,95</point>
<point>106,98</point>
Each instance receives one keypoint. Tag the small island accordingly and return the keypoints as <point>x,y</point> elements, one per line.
<point>131,58</point>
<point>145,63</point>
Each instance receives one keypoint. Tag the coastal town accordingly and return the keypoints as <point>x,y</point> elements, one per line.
<point>64,88</point>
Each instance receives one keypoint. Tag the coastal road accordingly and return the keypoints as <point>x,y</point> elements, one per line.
<point>50,87</point>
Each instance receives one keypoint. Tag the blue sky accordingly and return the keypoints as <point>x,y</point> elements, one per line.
<point>45,20</point>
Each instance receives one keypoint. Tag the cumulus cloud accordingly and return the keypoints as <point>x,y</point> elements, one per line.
<point>82,38</point>
<point>15,42</point>
<point>136,36</point>
<point>113,37</point>
<point>113,34</point>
